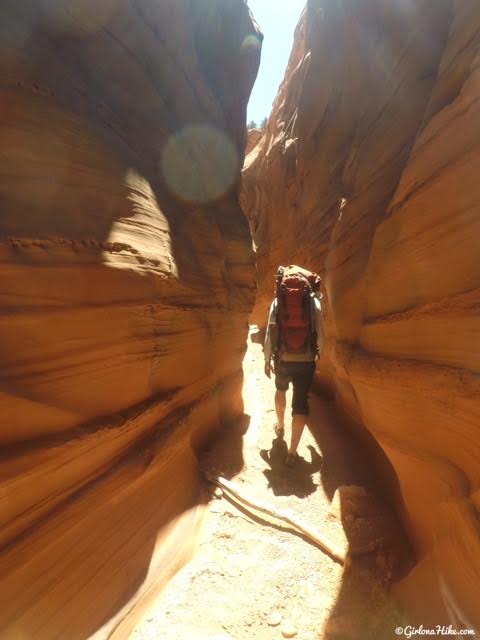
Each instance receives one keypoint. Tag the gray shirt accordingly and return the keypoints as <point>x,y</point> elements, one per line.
<point>293,357</point>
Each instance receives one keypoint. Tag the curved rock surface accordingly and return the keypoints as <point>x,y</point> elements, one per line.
<point>122,247</point>
<point>368,174</point>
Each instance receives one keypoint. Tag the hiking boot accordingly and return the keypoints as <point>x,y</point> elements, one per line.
<point>291,459</point>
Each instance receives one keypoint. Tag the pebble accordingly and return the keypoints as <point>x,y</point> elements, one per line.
<point>274,619</point>
<point>218,493</point>
<point>288,630</point>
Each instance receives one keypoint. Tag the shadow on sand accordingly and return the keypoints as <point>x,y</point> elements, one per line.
<point>285,481</point>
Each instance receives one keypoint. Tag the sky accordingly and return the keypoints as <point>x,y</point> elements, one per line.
<point>277,20</point>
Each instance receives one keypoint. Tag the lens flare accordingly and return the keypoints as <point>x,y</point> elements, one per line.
<point>199,163</point>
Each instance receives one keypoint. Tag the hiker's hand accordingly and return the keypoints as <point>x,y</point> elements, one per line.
<point>268,369</point>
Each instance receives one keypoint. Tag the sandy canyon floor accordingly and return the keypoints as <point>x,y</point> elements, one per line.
<point>254,578</point>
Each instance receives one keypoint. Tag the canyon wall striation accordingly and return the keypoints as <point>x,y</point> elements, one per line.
<point>368,174</point>
<point>127,277</point>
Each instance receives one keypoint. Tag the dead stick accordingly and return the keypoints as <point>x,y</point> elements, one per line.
<point>308,531</point>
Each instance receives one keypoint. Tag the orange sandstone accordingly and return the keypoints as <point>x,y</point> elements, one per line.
<point>368,173</point>
<point>126,282</point>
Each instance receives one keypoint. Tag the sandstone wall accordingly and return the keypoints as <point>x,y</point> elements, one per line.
<point>369,175</point>
<point>253,138</point>
<point>126,280</point>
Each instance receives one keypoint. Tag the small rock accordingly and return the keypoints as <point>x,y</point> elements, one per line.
<point>218,493</point>
<point>288,630</point>
<point>274,619</point>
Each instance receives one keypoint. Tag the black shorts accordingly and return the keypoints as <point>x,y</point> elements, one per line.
<point>300,374</point>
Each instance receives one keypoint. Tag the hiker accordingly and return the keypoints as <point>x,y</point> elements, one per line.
<point>292,344</point>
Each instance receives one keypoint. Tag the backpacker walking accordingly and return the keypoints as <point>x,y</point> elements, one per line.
<point>293,342</point>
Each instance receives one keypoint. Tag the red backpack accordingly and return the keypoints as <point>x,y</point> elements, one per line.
<point>296,310</point>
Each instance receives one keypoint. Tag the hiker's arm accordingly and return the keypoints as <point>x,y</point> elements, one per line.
<point>267,345</point>
<point>267,352</point>
<point>319,325</point>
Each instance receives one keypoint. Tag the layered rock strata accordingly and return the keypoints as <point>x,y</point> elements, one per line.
<point>126,282</point>
<point>368,175</point>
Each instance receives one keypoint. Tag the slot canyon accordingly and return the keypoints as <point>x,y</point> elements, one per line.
<point>141,228</point>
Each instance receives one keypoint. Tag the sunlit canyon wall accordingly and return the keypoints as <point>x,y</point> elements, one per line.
<point>368,173</point>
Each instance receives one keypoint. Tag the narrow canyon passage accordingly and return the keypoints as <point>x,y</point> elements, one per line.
<point>250,577</point>
<point>130,192</point>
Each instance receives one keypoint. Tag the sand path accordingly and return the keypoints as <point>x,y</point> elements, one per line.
<point>251,578</point>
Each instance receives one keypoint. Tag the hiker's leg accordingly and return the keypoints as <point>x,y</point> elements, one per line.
<point>298,424</point>
<point>280,404</point>
<point>302,381</point>
<point>282,381</point>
